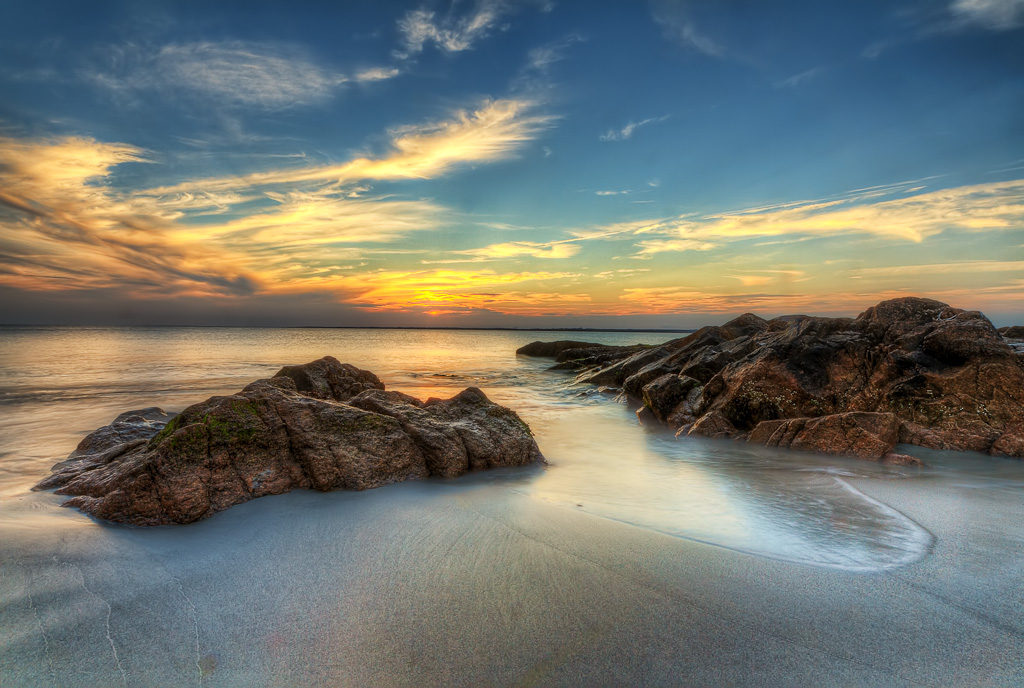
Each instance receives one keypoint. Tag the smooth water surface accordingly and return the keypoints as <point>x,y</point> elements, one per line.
<point>57,384</point>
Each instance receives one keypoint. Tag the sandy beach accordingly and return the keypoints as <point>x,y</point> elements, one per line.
<point>443,583</point>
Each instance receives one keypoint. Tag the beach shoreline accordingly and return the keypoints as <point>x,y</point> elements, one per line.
<point>467,584</point>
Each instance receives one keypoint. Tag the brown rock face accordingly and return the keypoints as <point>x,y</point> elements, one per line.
<point>910,370</point>
<point>1012,332</point>
<point>857,433</point>
<point>323,425</point>
<point>127,427</point>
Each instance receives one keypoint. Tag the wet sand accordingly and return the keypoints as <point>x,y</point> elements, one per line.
<point>472,583</point>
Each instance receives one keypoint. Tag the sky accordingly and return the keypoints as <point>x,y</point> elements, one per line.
<point>507,163</point>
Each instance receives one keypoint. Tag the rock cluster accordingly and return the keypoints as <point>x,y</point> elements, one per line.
<point>909,370</point>
<point>323,425</point>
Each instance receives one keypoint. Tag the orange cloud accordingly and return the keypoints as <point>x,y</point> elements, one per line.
<point>492,132</point>
<point>68,231</point>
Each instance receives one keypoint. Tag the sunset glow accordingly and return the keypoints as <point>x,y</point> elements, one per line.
<point>509,163</point>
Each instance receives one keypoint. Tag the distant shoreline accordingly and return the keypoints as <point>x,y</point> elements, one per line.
<point>366,327</point>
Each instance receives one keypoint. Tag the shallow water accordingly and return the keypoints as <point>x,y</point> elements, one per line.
<point>57,384</point>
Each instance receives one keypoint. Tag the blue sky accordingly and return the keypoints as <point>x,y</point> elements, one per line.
<point>499,163</point>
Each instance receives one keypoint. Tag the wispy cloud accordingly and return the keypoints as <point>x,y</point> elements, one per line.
<point>999,15</point>
<point>621,273</point>
<point>542,57</point>
<point>650,247</point>
<point>914,218</point>
<point>234,73</point>
<point>534,75</point>
<point>801,78</point>
<point>679,27</point>
<point>513,249</point>
<point>496,130</point>
<point>971,267</point>
<point>766,277</point>
<point>452,32</point>
<point>310,221</point>
<point>376,74</point>
<point>626,132</point>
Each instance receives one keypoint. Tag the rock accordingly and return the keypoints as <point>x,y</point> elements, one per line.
<point>857,433</point>
<point>616,373</point>
<point>946,375</point>
<point>1009,444</point>
<point>552,349</point>
<point>323,425</point>
<point>744,326</point>
<point>712,424</point>
<point>892,459</point>
<point>329,379</point>
<point>1012,332</point>
<point>664,395</point>
<point>130,425</point>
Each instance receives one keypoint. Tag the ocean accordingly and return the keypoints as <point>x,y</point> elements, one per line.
<point>59,383</point>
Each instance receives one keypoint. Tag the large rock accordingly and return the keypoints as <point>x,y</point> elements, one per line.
<point>322,426</point>
<point>552,349</point>
<point>942,378</point>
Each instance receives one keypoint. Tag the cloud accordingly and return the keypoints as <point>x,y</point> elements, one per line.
<point>231,73</point>
<point>542,57</point>
<point>492,132</point>
<point>515,249</point>
<point>679,28</point>
<point>626,272</point>
<point>534,74</point>
<point>802,77</point>
<point>626,132</point>
<point>49,170</point>
<point>649,248</point>
<point>970,267</point>
<point>914,218</point>
<point>377,74</point>
<point>62,227</point>
<point>452,34</point>
<point>611,193</point>
<point>311,227</point>
<point>65,228</point>
<point>769,276</point>
<point>999,15</point>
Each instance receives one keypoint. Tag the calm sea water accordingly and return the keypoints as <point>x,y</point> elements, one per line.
<point>57,384</point>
